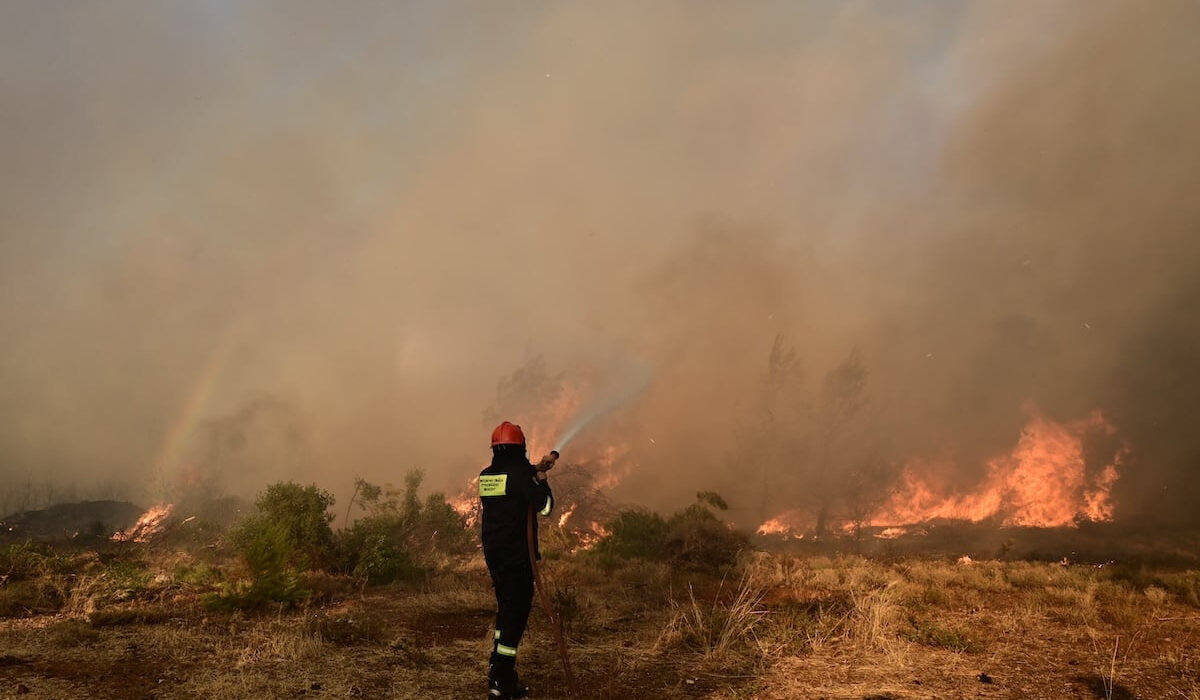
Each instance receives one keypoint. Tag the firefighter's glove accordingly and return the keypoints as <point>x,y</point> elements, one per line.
<point>547,462</point>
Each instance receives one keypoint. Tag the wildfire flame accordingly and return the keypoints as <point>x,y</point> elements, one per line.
<point>1043,482</point>
<point>777,526</point>
<point>588,538</point>
<point>466,503</point>
<point>147,526</point>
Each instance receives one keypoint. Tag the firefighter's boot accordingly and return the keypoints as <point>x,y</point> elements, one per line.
<point>503,684</point>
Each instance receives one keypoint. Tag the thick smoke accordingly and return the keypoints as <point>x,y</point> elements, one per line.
<point>310,239</point>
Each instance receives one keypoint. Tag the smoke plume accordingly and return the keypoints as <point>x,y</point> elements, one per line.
<point>300,240</point>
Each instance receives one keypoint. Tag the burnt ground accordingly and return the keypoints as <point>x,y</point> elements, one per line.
<point>86,519</point>
<point>842,628</point>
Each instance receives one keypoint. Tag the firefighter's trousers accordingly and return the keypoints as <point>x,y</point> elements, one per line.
<point>514,599</point>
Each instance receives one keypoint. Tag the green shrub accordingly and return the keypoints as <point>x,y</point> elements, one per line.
<point>271,557</point>
<point>289,533</point>
<point>302,514</point>
<point>694,536</point>
<point>128,574</point>
<point>401,535</point>
<point>123,579</point>
<point>373,552</point>
<point>439,527</point>
<point>634,534</point>
<point>22,561</point>
<point>199,575</point>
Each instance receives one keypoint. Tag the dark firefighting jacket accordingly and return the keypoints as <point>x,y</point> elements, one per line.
<point>508,488</point>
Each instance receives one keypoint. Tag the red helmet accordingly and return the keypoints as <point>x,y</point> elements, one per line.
<point>508,434</point>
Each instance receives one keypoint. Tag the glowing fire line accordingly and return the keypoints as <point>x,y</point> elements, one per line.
<point>1043,482</point>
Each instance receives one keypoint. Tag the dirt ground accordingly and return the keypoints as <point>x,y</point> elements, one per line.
<point>779,627</point>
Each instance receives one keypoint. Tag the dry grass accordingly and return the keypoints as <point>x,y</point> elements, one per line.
<point>776,627</point>
<point>720,628</point>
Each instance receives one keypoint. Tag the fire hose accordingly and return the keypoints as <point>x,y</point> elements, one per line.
<point>541,589</point>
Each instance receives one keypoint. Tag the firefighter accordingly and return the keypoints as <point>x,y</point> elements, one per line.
<point>511,489</point>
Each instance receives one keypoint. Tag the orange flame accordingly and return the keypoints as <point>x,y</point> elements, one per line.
<point>466,503</point>
<point>588,538</point>
<point>562,521</point>
<point>147,526</point>
<point>1043,482</point>
<point>783,524</point>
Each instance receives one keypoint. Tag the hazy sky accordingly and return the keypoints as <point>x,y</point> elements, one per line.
<point>370,212</point>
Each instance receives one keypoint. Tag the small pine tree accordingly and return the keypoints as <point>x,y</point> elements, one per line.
<point>289,533</point>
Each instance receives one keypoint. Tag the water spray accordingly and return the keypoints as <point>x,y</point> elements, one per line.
<point>639,380</point>
<point>605,403</point>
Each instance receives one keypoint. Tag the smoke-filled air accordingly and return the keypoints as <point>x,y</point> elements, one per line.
<point>849,264</point>
<point>621,350</point>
